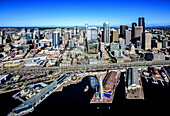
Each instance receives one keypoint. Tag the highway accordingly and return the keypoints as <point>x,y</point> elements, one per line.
<point>88,67</point>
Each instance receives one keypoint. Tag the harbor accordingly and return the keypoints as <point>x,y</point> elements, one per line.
<point>104,85</point>
<point>74,94</point>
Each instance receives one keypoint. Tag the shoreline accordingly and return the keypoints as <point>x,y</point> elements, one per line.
<point>67,83</point>
<point>9,91</point>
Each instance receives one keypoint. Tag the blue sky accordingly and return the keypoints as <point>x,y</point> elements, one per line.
<point>77,12</point>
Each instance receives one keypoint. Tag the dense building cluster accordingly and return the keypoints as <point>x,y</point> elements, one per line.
<point>44,47</point>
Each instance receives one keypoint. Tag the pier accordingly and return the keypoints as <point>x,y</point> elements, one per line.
<point>108,85</point>
<point>28,106</point>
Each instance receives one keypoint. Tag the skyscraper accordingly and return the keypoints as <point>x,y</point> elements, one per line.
<point>133,30</point>
<point>86,27</point>
<point>141,22</point>
<point>114,36</point>
<point>106,32</point>
<point>138,33</point>
<point>36,34</point>
<point>122,29</point>
<point>146,41</point>
<point>127,36</point>
<point>76,30</point>
<point>92,33</point>
<point>55,38</point>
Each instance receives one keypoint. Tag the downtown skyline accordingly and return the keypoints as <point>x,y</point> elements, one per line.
<point>70,13</point>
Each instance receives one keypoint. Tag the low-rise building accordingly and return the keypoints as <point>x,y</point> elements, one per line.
<point>93,61</point>
<point>3,78</point>
<point>133,87</point>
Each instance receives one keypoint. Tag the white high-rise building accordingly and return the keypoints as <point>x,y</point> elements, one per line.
<point>36,34</point>
<point>91,33</point>
<point>86,27</point>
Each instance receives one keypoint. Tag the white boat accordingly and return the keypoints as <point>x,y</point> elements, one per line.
<point>86,89</point>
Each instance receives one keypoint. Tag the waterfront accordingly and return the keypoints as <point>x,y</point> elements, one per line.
<point>8,102</point>
<point>74,101</point>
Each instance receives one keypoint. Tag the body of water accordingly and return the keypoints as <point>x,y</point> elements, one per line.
<point>74,101</point>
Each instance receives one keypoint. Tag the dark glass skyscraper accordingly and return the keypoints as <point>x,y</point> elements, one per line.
<point>122,29</point>
<point>56,38</point>
<point>133,29</point>
<point>141,22</point>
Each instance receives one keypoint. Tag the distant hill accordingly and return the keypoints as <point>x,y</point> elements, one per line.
<point>111,26</point>
<point>165,27</point>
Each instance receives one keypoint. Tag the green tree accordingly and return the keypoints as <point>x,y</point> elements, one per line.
<point>113,60</point>
<point>4,89</point>
<point>72,62</point>
<point>50,72</point>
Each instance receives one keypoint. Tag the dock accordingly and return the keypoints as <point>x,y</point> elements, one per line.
<point>107,88</point>
<point>133,85</point>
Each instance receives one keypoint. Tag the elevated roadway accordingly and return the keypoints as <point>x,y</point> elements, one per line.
<point>88,67</point>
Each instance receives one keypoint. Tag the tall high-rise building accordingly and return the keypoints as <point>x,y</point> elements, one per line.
<point>133,30</point>
<point>127,36</point>
<point>36,34</point>
<point>55,39</point>
<point>122,43</point>
<point>114,36</point>
<point>122,30</point>
<point>76,30</point>
<point>106,32</point>
<point>86,27</point>
<point>141,22</point>
<point>91,33</point>
<point>138,33</point>
<point>66,36</point>
<point>146,41</point>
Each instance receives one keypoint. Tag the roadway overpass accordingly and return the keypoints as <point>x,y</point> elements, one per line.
<point>88,67</point>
